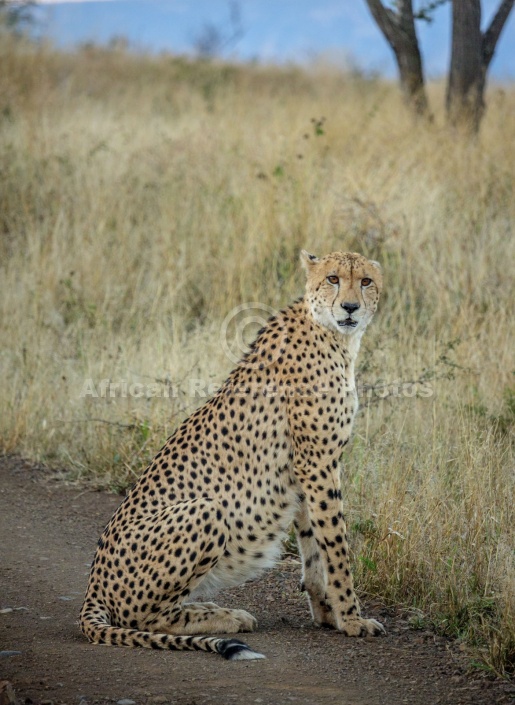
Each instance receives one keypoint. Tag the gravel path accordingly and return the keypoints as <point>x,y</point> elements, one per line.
<point>48,533</point>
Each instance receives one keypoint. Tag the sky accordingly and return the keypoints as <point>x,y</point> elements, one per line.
<point>273,30</point>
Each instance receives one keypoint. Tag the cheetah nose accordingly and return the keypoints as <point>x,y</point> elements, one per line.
<point>349,307</point>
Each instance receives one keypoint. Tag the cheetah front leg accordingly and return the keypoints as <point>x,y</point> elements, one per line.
<point>314,580</point>
<point>331,590</point>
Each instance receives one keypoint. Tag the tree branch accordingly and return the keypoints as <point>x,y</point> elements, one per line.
<point>424,13</point>
<point>386,19</point>
<point>397,26</point>
<point>491,35</point>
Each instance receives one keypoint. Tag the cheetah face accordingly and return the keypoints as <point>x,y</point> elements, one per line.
<point>342,290</point>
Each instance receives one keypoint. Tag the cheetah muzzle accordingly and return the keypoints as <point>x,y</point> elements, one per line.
<point>212,508</point>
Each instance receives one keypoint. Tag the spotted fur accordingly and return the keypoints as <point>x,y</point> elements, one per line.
<point>213,507</point>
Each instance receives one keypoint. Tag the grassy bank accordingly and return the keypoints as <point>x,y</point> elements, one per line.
<point>141,200</point>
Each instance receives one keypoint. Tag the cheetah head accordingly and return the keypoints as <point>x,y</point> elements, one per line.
<point>342,290</point>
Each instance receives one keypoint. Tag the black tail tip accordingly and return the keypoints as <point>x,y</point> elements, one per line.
<point>236,650</point>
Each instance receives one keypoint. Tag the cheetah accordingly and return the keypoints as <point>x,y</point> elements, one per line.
<point>212,508</point>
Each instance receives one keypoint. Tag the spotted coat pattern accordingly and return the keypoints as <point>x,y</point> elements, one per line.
<point>213,507</point>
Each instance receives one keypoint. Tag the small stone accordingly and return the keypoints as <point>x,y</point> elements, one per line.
<point>66,598</point>
<point>125,701</point>
<point>6,654</point>
<point>6,610</point>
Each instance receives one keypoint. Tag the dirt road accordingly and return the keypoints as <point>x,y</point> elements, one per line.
<point>48,533</point>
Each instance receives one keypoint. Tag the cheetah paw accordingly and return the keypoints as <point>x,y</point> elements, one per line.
<point>362,627</point>
<point>246,622</point>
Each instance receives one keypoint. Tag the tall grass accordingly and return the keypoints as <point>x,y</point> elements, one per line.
<point>142,199</point>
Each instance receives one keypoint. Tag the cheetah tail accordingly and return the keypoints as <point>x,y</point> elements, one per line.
<point>100,632</point>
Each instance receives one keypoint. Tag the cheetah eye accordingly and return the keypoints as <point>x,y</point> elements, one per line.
<point>333,279</point>
<point>366,281</point>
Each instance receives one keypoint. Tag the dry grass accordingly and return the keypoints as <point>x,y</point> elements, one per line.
<point>141,200</point>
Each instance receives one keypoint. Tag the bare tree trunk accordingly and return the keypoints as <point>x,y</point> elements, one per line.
<point>472,52</point>
<point>398,28</point>
<point>465,87</point>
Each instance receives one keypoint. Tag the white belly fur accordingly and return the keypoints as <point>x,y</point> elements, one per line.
<point>237,568</point>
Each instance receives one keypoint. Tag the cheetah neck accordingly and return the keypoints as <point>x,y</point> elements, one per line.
<point>351,343</point>
<point>347,343</point>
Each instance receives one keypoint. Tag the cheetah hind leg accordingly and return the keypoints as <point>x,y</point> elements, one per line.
<point>233,620</point>
<point>199,525</point>
<point>189,619</point>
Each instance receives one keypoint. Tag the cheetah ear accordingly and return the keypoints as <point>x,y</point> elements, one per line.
<point>308,260</point>
<point>372,261</point>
